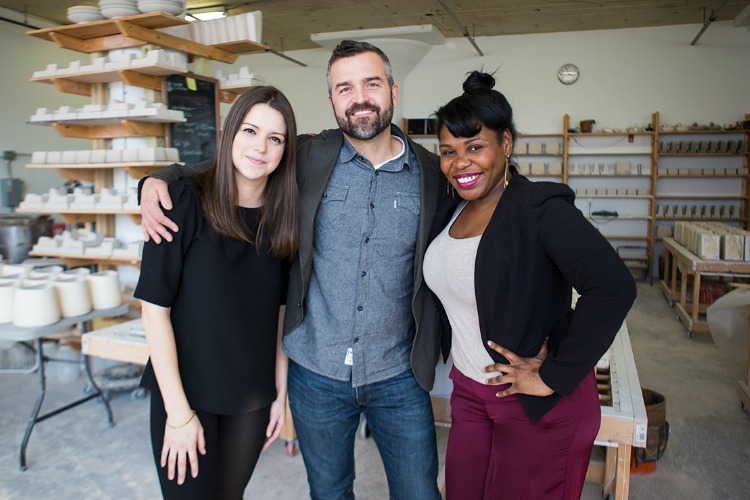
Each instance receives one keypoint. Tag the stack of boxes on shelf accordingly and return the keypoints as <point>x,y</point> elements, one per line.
<point>99,156</point>
<point>165,61</point>
<point>142,109</point>
<point>713,240</point>
<point>87,243</point>
<point>58,199</point>
<point>537,148</point>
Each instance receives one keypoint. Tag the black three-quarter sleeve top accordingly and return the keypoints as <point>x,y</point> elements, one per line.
<point>537,247</point>
<point>224,297</point>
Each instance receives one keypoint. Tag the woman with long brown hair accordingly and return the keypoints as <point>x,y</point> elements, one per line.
<point>212,303</point>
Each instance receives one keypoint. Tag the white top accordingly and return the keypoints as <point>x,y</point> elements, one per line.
<point>449,272</point>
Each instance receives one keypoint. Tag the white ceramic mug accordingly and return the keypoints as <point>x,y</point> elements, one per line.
<point>104,288</point>
<point>73,295</point>
<point>35,305</point>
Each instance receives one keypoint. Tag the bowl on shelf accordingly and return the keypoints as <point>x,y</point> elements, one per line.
<point>165,6</point>
<point>84,14</point>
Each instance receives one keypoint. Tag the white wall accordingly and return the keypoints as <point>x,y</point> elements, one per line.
<point>625,76</point>
<point>19,98</point>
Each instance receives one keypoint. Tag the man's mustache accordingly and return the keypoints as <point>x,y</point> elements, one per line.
<point>362,107</point>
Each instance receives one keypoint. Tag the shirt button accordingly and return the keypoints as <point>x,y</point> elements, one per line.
<point>364,273</point>
<point>356,340</point>
<point>367,240</point>
<point>372,205</point>
<point>359,308</point>
<point>377,172</point>
<point>325,195</point>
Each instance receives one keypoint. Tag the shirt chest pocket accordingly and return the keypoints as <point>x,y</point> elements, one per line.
<point>401,220</point>
<point>331,207</point>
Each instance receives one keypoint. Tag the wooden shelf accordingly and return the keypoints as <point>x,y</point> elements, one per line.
<point>87,260</point>
<point>717,219</point>
<point>606,134</point>
<point>701,155</point>
<point>699,197</point>
<point>87,171</point>
<point>701,176</point>
<point>703,132</point>
<point>121,128</point>
<point>107,27</point>
<point>81,216</point>
<point>623,196</point>
<point>133,31</point>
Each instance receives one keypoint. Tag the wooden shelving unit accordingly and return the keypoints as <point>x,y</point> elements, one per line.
<point>103,36</point>
<point>648,150</point>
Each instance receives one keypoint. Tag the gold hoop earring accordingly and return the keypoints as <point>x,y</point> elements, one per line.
<point>507,161</point>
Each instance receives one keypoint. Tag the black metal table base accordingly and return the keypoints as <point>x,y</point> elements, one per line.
<point>36,418</point>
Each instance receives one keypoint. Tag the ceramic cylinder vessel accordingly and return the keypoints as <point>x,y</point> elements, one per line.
<point>104,288</point>
<point>73,295</point>
<point>7,292</point>
<point>35,305</point>
<point>48,272</point>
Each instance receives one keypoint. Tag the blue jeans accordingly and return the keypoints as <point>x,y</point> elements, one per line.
<point>399,413</point>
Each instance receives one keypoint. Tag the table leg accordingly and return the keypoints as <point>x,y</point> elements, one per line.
<point>97,390</point>
<point>610,471</point>
<point>622,487</point>
<point>37,405</point>
<point>696,302</point>
<point>36,418</point>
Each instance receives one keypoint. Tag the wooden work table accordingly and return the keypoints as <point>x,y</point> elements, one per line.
<point>679,258</point>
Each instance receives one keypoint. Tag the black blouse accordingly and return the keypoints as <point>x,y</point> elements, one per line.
<point>224,297</point>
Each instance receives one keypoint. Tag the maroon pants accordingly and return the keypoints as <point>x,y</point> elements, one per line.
<point>495,452</point>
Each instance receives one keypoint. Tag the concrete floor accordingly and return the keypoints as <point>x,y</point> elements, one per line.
<point>77,455</point>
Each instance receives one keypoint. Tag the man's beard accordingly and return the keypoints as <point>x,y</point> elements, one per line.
<point>362,128</point>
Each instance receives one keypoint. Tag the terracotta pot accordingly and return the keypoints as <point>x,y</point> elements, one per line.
<point>586,125</point>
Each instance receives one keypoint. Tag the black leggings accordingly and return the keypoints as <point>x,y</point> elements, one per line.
<point>233,444</point>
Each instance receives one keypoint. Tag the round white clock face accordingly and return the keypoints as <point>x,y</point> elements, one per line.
<point>568,74</point>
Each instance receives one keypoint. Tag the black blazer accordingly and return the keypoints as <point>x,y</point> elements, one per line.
<point>536,248</point>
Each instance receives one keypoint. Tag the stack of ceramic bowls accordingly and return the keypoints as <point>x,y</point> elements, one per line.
<point>118,8</point>
<point>174,7</point>
<point>84,14</point>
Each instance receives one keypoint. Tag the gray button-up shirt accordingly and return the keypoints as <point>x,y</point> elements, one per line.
<point>358,324</point>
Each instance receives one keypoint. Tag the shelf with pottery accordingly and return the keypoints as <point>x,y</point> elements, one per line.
<point>708,162</point>
<point>617,168</point>
<point>86,171</point>
<point>80,216</point>
<point>138,30</point>
<point>87,260</point>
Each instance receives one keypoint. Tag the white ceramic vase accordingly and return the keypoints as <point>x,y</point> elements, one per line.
<point>35,305</point>
<point>104,288</point>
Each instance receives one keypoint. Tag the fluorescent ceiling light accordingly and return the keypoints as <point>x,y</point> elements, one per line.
<point>206,13</point>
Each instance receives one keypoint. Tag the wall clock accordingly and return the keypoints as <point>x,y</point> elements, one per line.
<point>568,74</point>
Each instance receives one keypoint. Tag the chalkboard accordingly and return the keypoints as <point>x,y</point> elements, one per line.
<point>198,98</point>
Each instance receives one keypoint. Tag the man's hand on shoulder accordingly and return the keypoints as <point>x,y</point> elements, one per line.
<point>154,224</point>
